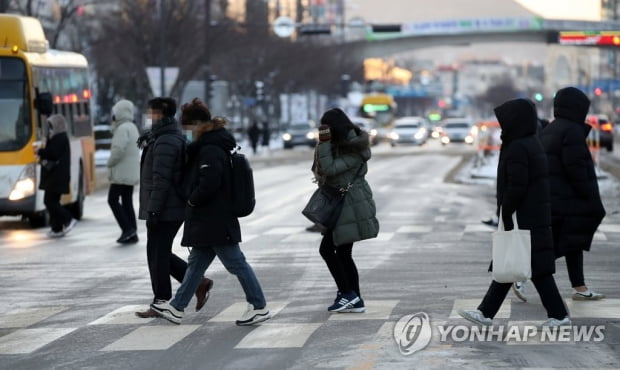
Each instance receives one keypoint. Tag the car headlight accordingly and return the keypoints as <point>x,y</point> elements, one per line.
<point>310,135</point>
<point>469,139</point>
<point>419,135</point>
<point>287,137</point>
<point>445,139</point>
<point>394,136</point>
<point>25,185</point>
<point>435,134</point>
<point>373,132</point>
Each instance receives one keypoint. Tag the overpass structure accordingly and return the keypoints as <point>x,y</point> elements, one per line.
<point>383,40</point>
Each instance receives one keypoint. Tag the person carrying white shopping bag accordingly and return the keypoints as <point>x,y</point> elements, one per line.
<point>523,195</point>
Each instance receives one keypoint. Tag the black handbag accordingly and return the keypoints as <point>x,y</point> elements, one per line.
<point>325,205</point>
<point>49,165</point>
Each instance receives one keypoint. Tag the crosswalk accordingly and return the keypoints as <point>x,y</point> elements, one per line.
<point>29,331</point>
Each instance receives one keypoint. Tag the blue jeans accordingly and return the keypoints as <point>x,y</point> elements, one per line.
<point>233,260</point>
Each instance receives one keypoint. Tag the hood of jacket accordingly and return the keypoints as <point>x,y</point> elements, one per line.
<point>58,124</point>
<point>517,119</point>
<point>356,144</point>
<point>122,111</point>
<point>572,104</point>
<point>219,137</point>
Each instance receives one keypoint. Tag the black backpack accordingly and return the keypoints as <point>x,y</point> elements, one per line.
<point>243,195</point>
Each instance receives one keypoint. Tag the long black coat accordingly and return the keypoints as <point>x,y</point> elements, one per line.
<point>210,220</point>
<point>161,172</point>
<point>523,181</point>
<point>577,209</point>
<point>58,150</point>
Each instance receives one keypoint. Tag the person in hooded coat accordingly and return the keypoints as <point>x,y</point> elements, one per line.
<point>55,159</point>
<point>343,151</point>
<point>523,187</point>
<point>211,227</point>
<point>124,166</point>
<point>576,206</point>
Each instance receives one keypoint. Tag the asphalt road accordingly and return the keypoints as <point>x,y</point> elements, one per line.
<point>69,303</point>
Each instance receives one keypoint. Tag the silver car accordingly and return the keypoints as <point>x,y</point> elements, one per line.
<point>457,130</point>
<point>409,130</point>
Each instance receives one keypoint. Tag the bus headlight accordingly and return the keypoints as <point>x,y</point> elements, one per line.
<point>287,137</point>
<point>25,185</point>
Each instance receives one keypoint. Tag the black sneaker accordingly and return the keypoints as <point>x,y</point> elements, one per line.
<point>344,301</point>
<point>127,238</point>
<point>359,307</point>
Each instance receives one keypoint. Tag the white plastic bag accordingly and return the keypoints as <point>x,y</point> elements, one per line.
<point>512,253</point>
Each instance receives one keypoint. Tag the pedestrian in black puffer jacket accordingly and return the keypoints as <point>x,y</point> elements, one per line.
<point>576,206</point>
<point>211,228</point>
<point>523,187</point>
<point>161,201</point>
<point>55,159</point>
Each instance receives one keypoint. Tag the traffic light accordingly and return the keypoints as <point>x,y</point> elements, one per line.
<point>260,90</point>
<point>598,91</point>
<point>210,87</point>
<point>538,97</point>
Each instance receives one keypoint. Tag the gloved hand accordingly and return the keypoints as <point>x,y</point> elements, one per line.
<point>508,224</point>
<point>324,134</point>
<point>152,218</point>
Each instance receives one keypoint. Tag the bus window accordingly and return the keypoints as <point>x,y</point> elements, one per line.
<point>15,129</point>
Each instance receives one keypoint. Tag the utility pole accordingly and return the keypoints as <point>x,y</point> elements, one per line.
<point>206,69</point>
<point>162,45</point>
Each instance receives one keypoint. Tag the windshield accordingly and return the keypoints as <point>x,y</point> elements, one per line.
<point>456,125</point>
<point>15,127</point>
<point>407,125</point>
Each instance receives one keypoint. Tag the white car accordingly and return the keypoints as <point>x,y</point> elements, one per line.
<point>367,125</point>
<point>457,130</point>
<point>409,130</point>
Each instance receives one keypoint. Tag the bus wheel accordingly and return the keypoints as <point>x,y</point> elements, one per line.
<point>77,208</point>
<point>39,219</point>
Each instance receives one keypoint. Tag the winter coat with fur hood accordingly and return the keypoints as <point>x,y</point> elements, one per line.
<point>124,161</point>
<point>338,166</point>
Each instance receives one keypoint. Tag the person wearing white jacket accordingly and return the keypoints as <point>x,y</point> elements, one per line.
<point>124,166</point>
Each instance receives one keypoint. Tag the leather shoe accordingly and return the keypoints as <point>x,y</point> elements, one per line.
<point>148,314</point>
<point>202,292</point>
<point>127,237</point>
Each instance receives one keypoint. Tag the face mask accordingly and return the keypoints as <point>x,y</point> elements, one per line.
<point>148,123</point>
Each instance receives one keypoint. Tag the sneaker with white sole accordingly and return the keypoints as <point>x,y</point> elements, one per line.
<point>550,323</point>
<point>343,302</point>
<point>55,234</point>
<point>68,227</point>
<point>167,311</point>
<point>253,316</point>
<point>476,316</point>
<point>588,295</point>
<point>518,288</point>
<point>359,307</point>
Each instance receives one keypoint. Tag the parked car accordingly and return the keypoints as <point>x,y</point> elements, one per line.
<point>304,133</point>
<point>409,130</point>
<point>606,130</point>
<point>457,130</point>
<point>367,125</point>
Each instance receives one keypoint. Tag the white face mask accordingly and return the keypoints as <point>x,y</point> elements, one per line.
<point>148,123</point>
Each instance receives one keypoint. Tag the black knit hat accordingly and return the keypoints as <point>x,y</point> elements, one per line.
<point>572,104</point>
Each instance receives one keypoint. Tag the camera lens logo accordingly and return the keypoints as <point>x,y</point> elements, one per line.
<point>413,333</point>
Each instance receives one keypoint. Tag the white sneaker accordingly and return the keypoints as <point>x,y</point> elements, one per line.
<point>68,227</point>
<point>55,234</point>
<point>519,288</point>
<point>588,295</point>
<point>168,311</point>
<point>476,317</point>
<point>253,316</point>
<point>555,322</point>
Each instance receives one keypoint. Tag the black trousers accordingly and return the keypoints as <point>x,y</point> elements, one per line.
<point>339,260</point>
<point>547,290</point>
<point>59,216</point>
<point>120,199</point>
<point>574,265</point>
<point>162,262</point>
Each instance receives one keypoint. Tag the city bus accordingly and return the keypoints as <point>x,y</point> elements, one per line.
<point>382,109</point>
<point>36,82</point>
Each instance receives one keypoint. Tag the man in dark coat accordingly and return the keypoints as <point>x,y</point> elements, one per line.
<point>56,175</point>
<point>576,205</point>
<point>254,134</point>
<point>161,202</point>
<point>523,187</point>
<point>211,226</point>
